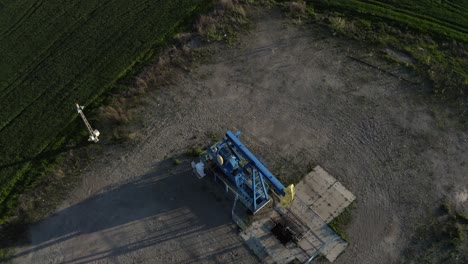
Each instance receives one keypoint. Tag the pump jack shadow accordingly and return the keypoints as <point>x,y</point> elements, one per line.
<point>167,205</point>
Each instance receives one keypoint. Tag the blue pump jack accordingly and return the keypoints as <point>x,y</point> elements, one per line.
<point>230,159</point>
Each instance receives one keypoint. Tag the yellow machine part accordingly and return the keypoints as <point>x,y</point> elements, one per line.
<point>220,159</point>
<point>289,197</point>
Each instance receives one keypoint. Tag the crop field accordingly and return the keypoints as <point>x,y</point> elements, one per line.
<point>55,53</point>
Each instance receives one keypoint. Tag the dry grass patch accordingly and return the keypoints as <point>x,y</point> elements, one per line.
<point>124,134</point>
<point>183,38</point>
<point>297,9</point>
<point>223,23</point>
<point>115,114</point>
<point>338,24</point>
<point>164,71</point>
<point>223,6</point>
<point>206,25</point>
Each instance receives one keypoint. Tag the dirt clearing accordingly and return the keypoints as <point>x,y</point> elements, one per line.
<point>294,92</point>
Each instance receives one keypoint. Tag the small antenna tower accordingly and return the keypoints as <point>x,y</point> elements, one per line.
<point>93,134</point>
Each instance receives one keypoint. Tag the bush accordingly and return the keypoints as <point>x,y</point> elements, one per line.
<point>338,24</point>
<point>194,152</point>
<point>297,8</point>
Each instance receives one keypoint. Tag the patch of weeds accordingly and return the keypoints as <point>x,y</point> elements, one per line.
<point>263,3</point>
<point>321,258</point>
<point>116,114</point>
<point>212,136</point>
<point>446,207</point>
<point>5,255</point>
<point>295,261</point>
<point>224,23</point>
<point>122,134</point>
<point>176,161</point>
<point>461,217</point>
<point>443,239</point>
<point>194,151</point>
<point>440,117</point>
<point>340,222</point>
<point>297,9</point>
<point>248,220</point>
<point>338,24</point>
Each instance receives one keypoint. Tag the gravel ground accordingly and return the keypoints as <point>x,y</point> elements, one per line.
<point>295,93</point>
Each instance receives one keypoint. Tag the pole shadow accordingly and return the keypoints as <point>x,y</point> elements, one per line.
<point>45,155</point>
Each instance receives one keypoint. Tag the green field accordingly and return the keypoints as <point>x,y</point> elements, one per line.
<point>444,18</point>
<point>434,32</point>
<point>55,53</point>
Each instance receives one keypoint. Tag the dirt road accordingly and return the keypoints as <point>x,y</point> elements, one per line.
<point>291,89</point>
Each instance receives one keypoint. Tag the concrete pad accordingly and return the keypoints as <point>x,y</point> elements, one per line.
<point>314,185</point>
<point>333,202</point>
<point>319,199</point>
<point>266,246</point>
<point>334,250</point>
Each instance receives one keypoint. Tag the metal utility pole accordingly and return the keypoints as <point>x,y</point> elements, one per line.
<point>93,134</point>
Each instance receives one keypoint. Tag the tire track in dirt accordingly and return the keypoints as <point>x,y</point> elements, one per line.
<point>362,143</point>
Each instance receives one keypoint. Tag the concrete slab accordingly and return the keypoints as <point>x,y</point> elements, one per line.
<point>333,202</point>
<point>266,246</point>
<point>314,185</point>
<point>319,199</point>
<point>323,194</point>
<point>334,250</point>
<point>321,237</point>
